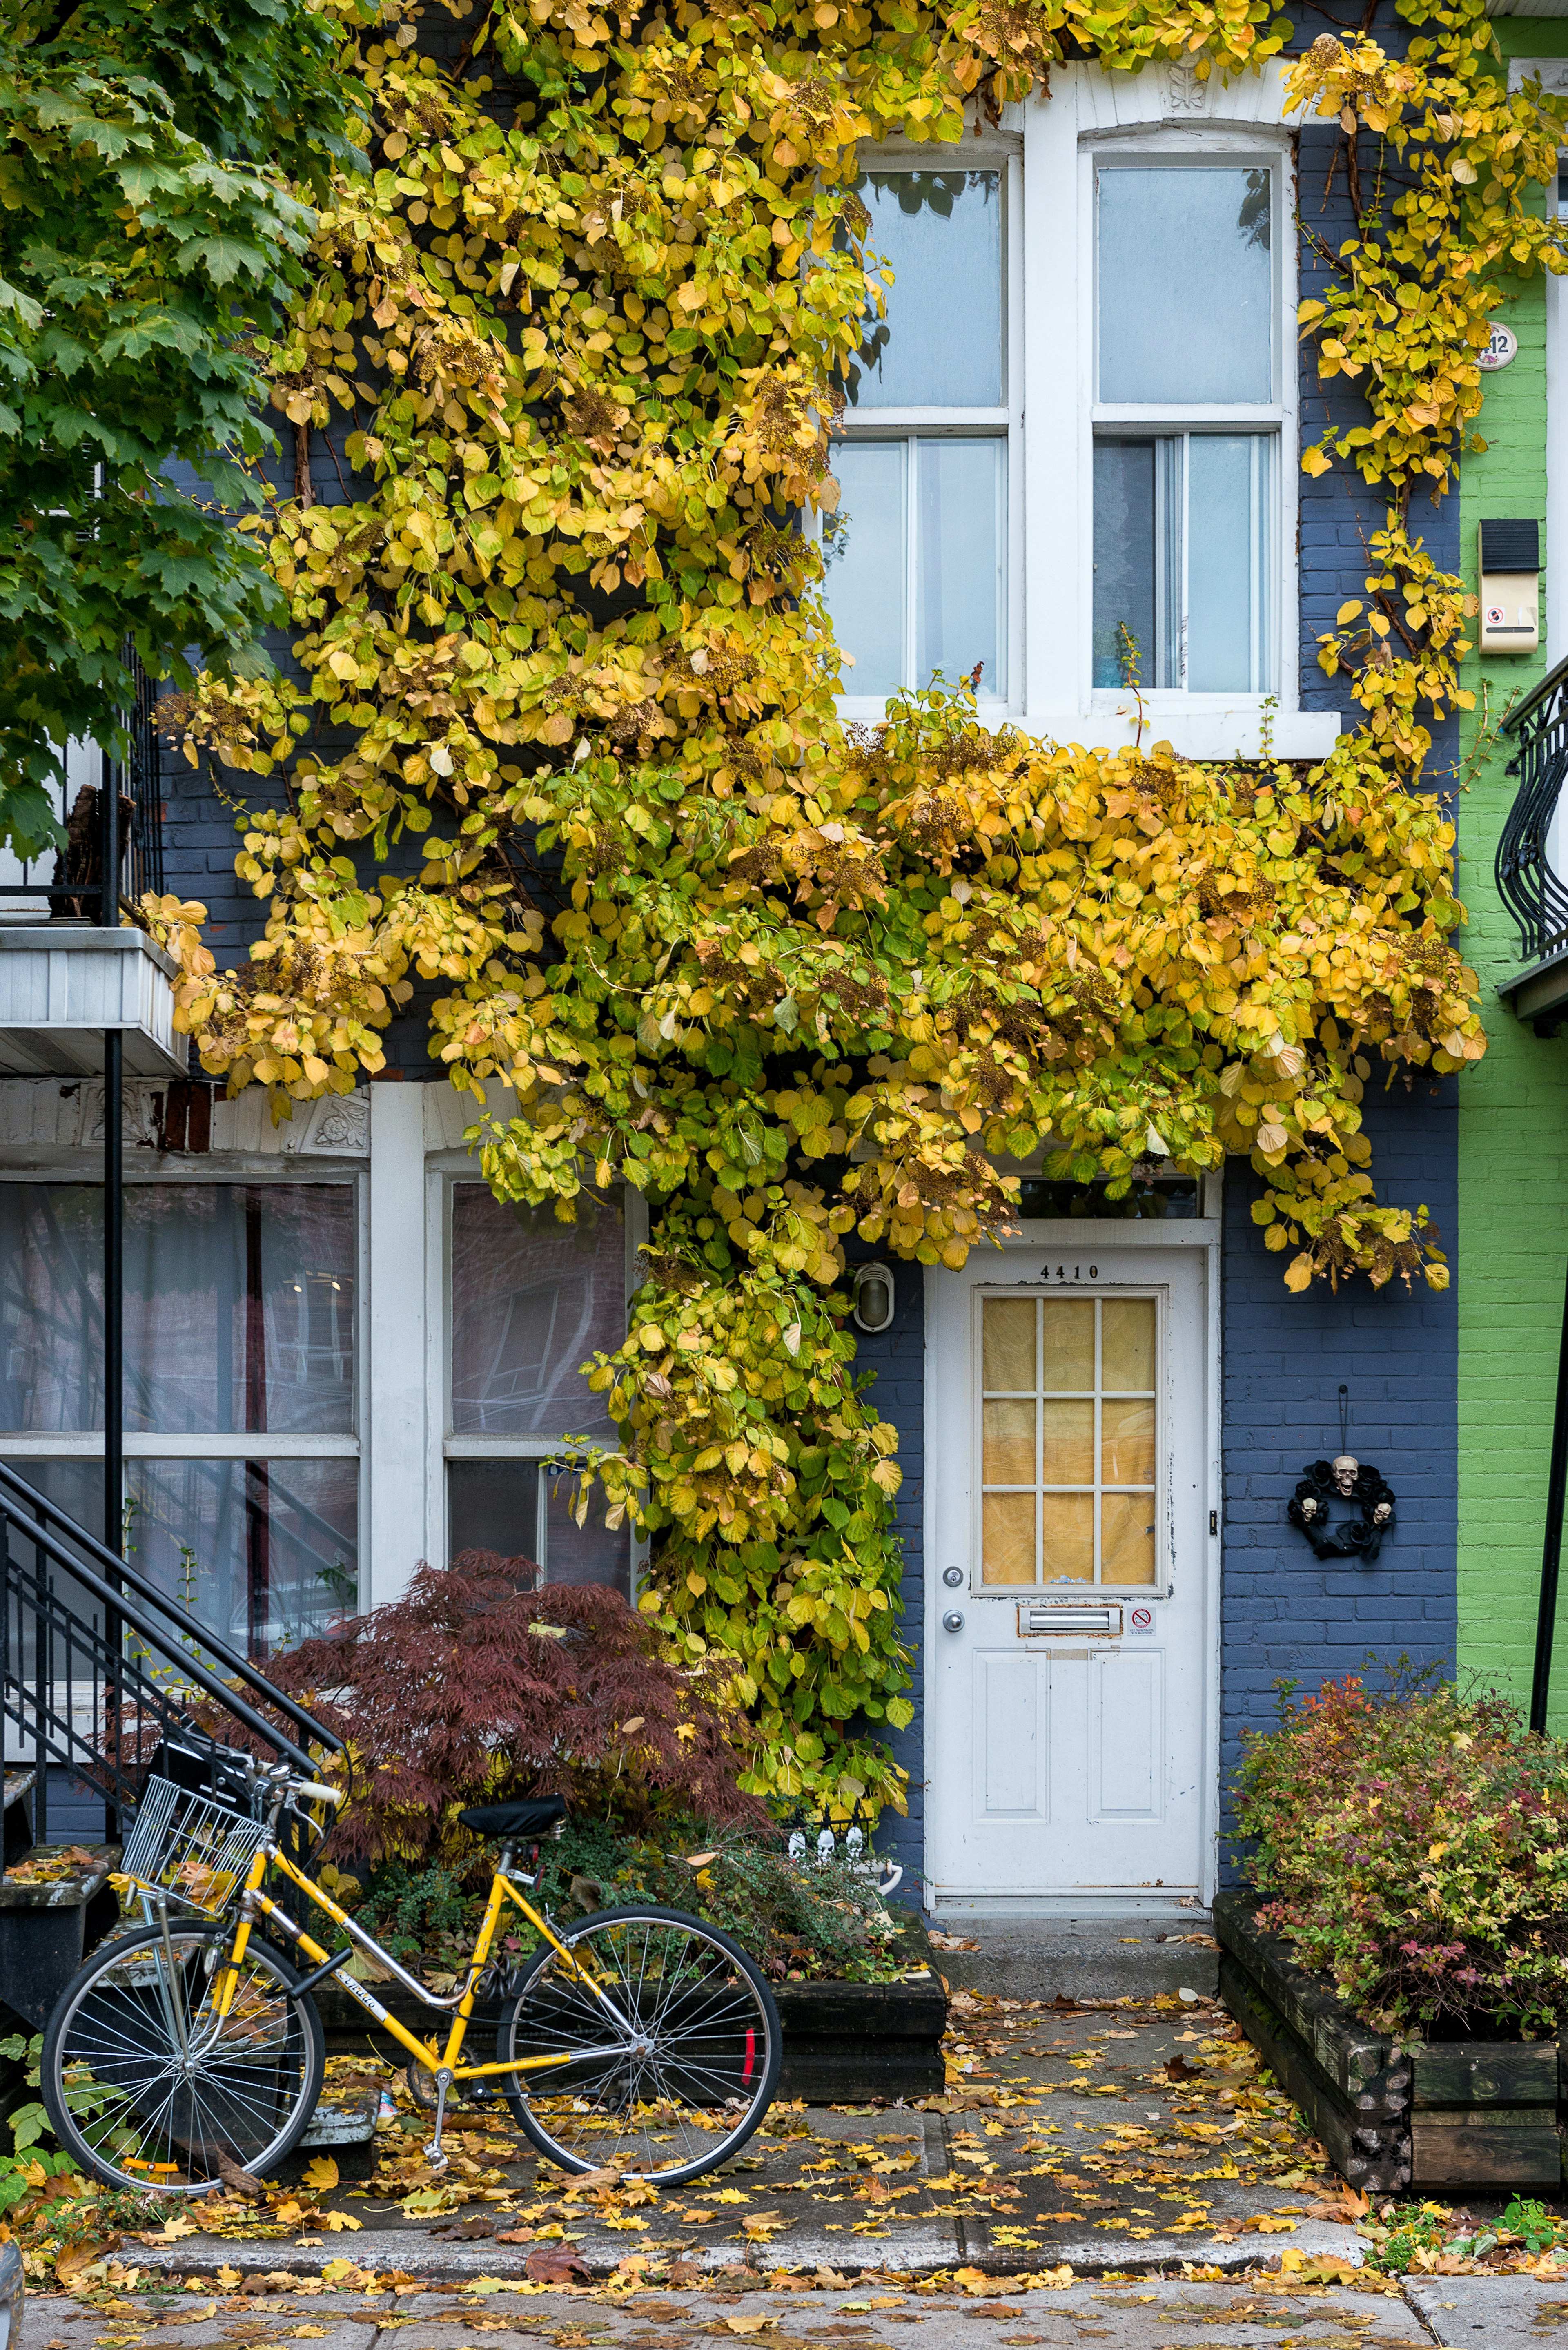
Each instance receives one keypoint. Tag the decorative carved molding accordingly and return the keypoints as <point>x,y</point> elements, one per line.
<point>340,1123</point>
<point>1185,91</point>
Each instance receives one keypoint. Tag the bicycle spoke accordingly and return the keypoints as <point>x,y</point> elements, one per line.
<point>694,2076</point>
<point>148,2111</point>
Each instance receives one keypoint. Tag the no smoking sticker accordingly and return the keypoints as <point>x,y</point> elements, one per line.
<point>1140,1619</point>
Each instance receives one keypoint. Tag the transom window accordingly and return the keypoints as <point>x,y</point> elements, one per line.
<point>1187,427</point>
<point>916,553</point>
<point>1069,1415</point>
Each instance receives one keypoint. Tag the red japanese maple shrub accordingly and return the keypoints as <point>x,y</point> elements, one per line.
<point>468,1690</point>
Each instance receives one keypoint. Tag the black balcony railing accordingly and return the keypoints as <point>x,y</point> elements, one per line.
<point>100,1672</point>
<point>1528,882</point>
<point>113,817</point>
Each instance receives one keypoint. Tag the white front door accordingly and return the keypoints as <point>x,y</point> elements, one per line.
<point>1070,1554</point>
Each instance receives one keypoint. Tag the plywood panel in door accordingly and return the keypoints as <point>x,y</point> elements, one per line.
<point>1012,1698</point>
<point>1126,1735</point>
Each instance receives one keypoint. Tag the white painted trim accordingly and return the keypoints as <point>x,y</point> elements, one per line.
<point>395,1535</point>
<point>259,1444</point>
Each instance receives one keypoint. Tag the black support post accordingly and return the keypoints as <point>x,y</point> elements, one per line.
<point>1552,1552</point>
<point>113,1265</point>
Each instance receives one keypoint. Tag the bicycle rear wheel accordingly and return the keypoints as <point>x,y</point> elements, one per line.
<point>672,2044</point>
<point>146,2084</point>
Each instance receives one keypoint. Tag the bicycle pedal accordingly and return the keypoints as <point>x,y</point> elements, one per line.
<point>435,2157</point>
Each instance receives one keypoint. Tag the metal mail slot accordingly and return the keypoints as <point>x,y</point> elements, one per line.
<point>1037,1623</point>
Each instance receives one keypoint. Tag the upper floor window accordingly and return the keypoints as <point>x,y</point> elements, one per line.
<point>1187,427</point>
<point>915,555</point>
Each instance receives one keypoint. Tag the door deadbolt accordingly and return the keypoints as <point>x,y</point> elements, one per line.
<point>952,1577</point>
<point>953,1620</point>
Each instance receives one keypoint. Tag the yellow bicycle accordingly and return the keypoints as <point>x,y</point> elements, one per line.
<point>640,2039</point>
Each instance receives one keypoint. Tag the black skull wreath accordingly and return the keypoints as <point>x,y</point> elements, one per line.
<point>1344,1479</point>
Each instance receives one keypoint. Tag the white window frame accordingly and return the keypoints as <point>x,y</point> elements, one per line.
<point>446,1171</point>
<point>993,150</point>
<point>256,1444</point>
<point>1163,113</point>
<point>1052,143</point>
<point>1181,420</point>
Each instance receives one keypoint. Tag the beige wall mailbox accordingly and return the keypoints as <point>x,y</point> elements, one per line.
<point>1509,585</point>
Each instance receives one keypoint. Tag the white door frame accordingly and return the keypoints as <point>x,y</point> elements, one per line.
<point>1038,1238</point>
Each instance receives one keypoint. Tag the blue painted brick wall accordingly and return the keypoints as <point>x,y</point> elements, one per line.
<point>1283,1612</point>
<point>897,1357</point>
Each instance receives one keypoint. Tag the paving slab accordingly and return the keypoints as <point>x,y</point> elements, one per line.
<point>173,2322</point>
<point>1501,2312</point>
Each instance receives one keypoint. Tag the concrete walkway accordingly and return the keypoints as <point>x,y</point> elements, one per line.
<point>1121,2174</point>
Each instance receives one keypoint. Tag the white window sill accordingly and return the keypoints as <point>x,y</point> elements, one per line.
<point>1197,726</point>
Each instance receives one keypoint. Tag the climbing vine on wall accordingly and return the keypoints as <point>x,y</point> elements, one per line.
<point>561,745</point>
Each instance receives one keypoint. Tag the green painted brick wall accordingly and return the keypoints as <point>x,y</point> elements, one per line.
<point>1509,1263</point>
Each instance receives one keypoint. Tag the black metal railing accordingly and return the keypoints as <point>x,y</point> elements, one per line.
<point>1528,882</point>
<point>100,1670</point>
<point>114,824</point>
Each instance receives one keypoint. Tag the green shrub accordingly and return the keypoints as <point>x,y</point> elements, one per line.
<point>811,1922</point>
<point>1413,1843</point>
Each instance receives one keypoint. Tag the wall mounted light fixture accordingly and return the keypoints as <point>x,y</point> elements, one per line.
<point>874,1298</point>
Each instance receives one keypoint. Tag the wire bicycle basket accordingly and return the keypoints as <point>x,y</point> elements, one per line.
<point>188,1847</point>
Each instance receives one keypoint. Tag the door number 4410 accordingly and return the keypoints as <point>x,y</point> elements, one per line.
<point>1069,1273</point>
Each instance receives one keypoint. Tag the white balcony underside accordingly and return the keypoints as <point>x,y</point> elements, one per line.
<point>62,986</point>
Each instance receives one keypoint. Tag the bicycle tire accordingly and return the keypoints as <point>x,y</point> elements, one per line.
<point>132,2109</point>
<point>711,2049</point>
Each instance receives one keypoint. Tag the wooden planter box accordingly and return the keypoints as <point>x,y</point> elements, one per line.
<point>1454,2114</point>
<point>842,2041</point>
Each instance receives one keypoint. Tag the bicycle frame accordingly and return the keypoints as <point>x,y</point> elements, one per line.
<point>254,1902</point>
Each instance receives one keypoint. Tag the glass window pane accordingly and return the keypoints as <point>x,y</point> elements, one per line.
<point>239,1307</point>
<point>960,537</point>
<point>864,556</point>
<point>1009,1328</point>
<point>1126,1538</point>
<point>1127,1442</point>
<point>590,1553</point>
<point>939,343</point>
<point>1186,284</point>
<point>532,1299</point>
<point>1069,1442</point>
<point>1068,1537</point>
<point>1123,562</point>
<point>1009,1444</point>
<point>1007,1546</point>
<point>1069,1345</point>
<point>263,1552</point>
<point>1128,1339</point>
<point>493,1506</point>
<point>1227,562</point>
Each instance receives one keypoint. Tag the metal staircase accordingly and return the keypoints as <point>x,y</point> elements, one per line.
<point>103,1679</point>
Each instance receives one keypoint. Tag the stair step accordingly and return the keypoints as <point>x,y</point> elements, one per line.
<point>57,1875</point>
<point>49,1922</point>
<point>20,1782</point>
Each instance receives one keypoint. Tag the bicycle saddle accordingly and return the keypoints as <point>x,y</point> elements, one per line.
<point>530,1817</point>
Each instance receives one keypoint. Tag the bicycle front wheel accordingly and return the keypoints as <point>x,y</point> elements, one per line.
<point>147,2085</point>
<point>670,2040</point>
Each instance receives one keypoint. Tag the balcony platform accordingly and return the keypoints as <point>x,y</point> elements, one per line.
<point>63,984</point>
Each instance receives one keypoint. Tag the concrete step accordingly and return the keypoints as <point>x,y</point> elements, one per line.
<point>20,1781</point>
<point>51,1916</point>
<point>1098,1957</point>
